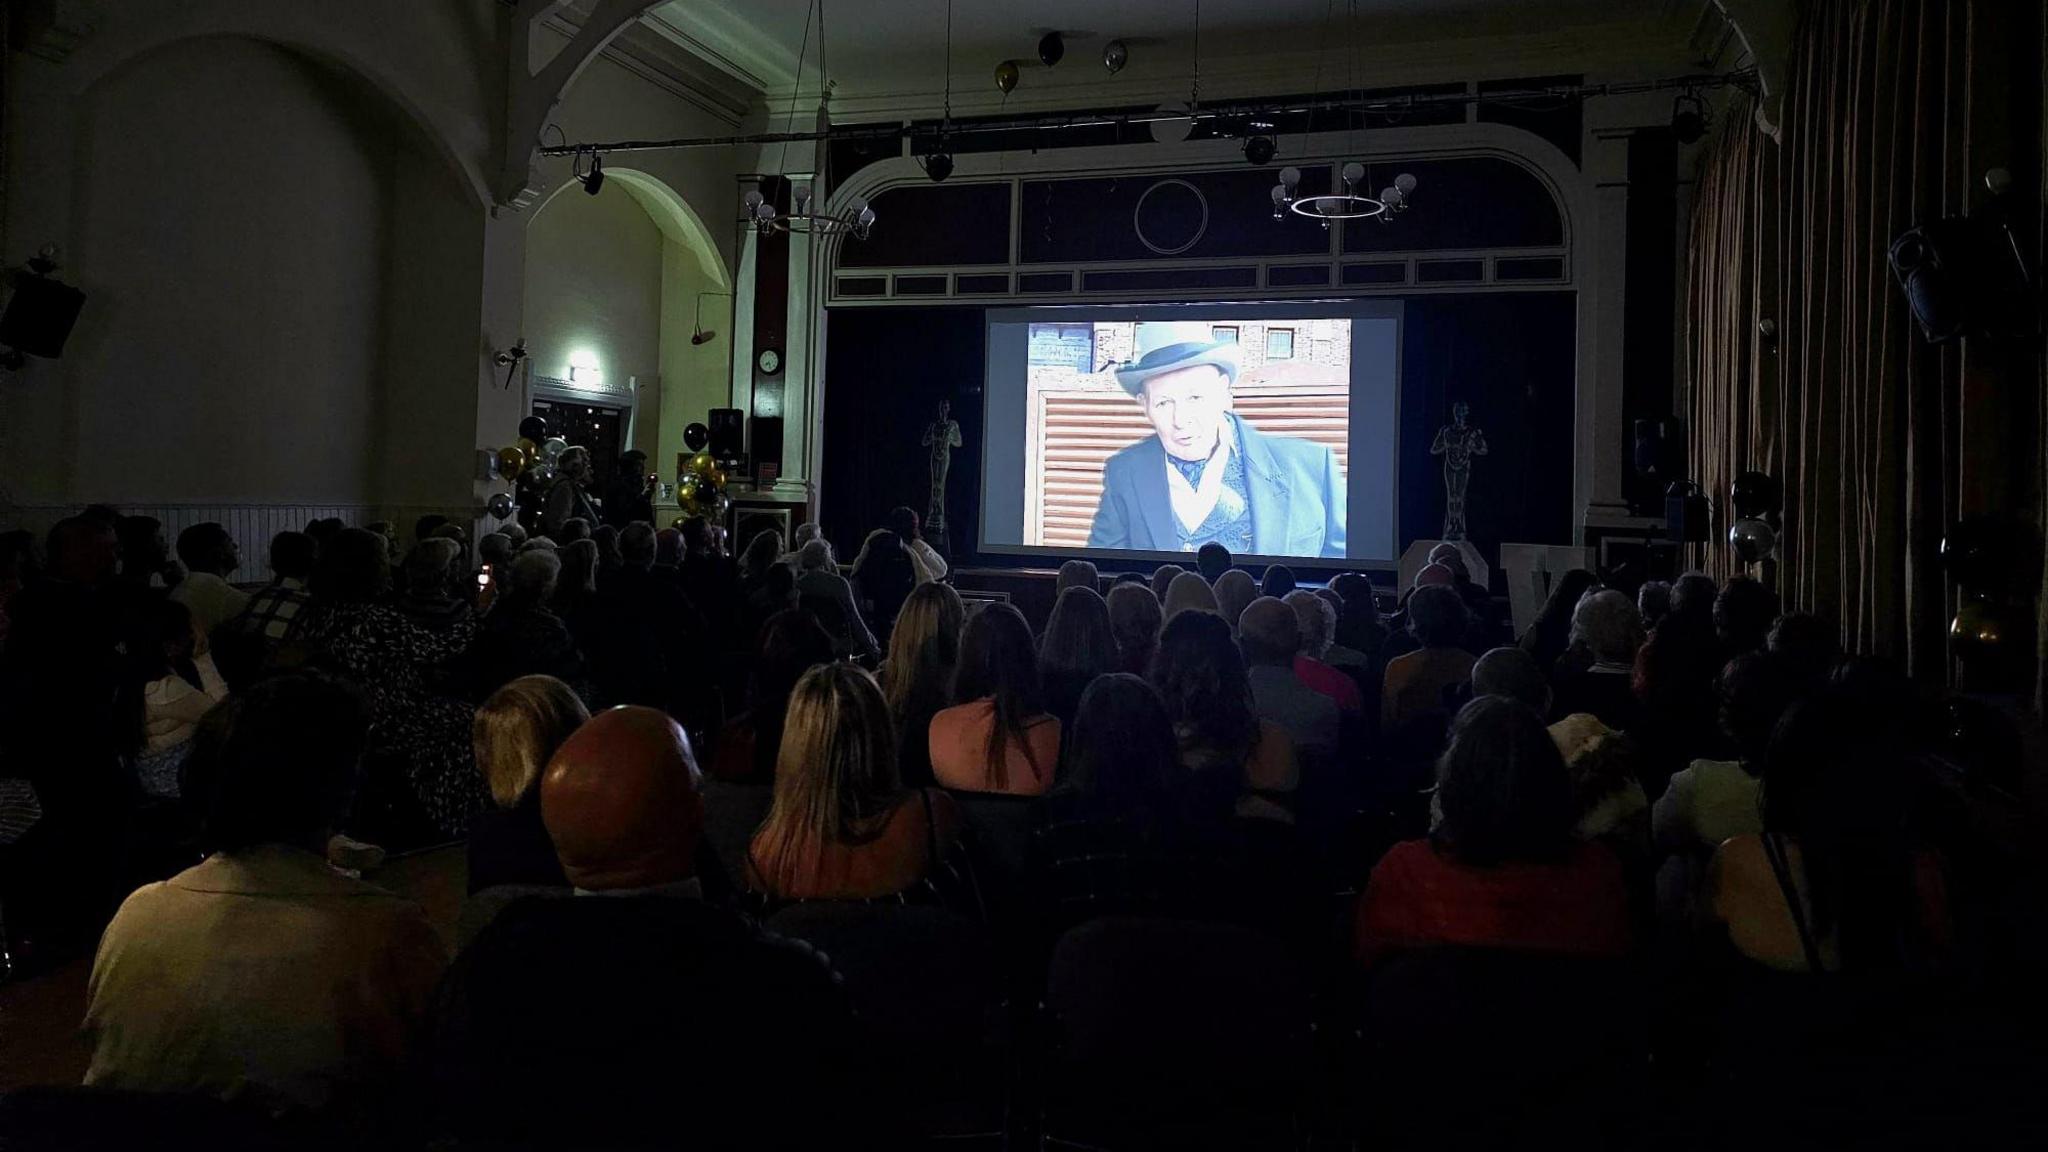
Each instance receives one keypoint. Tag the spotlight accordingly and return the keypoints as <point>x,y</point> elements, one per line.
<point>1052,48</point>
<point>938,166</point>
<point>702,336</point>
<point>593,180</point>
<point>1690,118</point>
<point>1115,55</point>
<point>1260,149</point>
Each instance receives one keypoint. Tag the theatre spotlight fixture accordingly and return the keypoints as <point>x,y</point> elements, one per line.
<point>806,216</point>
<point>938,166</point>
<point>593,177</point>
<point>1690,118</point>
<point>1349,204</point>
<point>1260,149</point>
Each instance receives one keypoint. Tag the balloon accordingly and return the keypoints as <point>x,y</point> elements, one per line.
<point>696,436</point>
<point>533,428</point>
<point>1754,494</point>
<point>702,464</point>
<point>530,450</point>
<point>500,505</point>
<point>1006,76</point>
<point>511,462</point>
<point>552,448</point>
<point>1977,629</point>
<point>543,473</point>
<point>1753,540</point>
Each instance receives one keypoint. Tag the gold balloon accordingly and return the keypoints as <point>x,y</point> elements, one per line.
<point>1006,76</point>
<point>511,462</point>
<point>701,464</point>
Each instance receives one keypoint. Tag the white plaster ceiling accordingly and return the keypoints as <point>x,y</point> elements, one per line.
<point>885,56</point>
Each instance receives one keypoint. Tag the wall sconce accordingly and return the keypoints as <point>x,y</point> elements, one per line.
<point>583,370</point>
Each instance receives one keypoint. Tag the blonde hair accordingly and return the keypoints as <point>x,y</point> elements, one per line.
<point>518,729</point>
<point>834,776</point>
<point>924,649</point>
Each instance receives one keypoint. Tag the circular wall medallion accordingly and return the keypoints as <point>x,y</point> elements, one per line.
<point>1171,217</point>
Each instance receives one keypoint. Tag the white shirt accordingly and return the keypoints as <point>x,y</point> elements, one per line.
<point>930,565</point>
<point>211,600</point>
<point>172,707</point>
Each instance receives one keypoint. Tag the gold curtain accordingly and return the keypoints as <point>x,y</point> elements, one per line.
<point>1892,110</point>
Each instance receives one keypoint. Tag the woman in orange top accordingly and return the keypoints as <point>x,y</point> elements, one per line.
<point>1000,738</point>
<point>841,827</point>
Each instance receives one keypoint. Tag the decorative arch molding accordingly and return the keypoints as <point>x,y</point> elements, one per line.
<point>531,96</point>
<point>103,55</point>
<point>672,214</point>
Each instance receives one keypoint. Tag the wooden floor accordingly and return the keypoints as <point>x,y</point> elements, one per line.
<point>39,1018</point>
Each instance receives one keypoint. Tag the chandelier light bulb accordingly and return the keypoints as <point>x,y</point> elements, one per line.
<point>1390,195</point>
<point>866,216</point>
<point>1354,172</point>
<point>752,200</point>
<point>857,205</point>
<point>1405,182</point>
<point>803,196</point>
<point>1279,193</point>
<point>764,211</point>
<point>1290,176</point>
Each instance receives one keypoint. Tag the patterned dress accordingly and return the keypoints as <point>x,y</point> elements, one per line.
<point>387,657</point>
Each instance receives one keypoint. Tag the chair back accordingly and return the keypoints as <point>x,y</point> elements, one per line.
<point>1000,830</point>
<point>732,814</point>
<point>74,1119</point>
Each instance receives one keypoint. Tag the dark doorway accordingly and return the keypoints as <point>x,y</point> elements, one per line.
<point>593,426</point>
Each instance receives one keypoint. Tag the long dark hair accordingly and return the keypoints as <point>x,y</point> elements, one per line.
<point>998,661</point>
<point>1121,758</point>
<point>1503,792</point>
<point>1837,783</point>
<point>792,643</point>
<point>1201,678</point>
<point>1078,646</point>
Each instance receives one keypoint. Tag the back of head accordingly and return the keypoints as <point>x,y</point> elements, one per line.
<point>1754,689</point>
<point>1268,633</point>
<point>1076,574</point>
<point>790,644</point>
<point>534,576</point>
<point>622,800</point>
<point>1078,640</point>
<point>1235,590</point>
<point>512,531</point>
<point>203,547</point>
<point>1134,619</point>
<point>697,535</point>
<point>293,554</point>
<point>999,659</point>
<point>814,556</point>
<point>1190,592</point>
<point>1692,598</point>
<point>1278,581</point>
<point>1121,753</point>
<point>1213,560</point>
<point>1435,576</point>
<point>538,544</point>
<point>494,548</point>
<point>277,763</point>
<point>806,532</point>
<point>669,546</point>
<point>903,522</point>
<point>835,772</point>
<point>924,648</point>
<point>1200,676</point>
<point>1437,616</point>
<point>1503,791</point>
<point>453,531</point>
<point>1447,554</point>
<point>355,567</point>
<point>82,550</point>
<point>141,539</point>
<point>1354,587</point>
<point>517,730</point>
<point>573,529</point>
<point>636,545</point>
<point>429,565</point>
<point>1513,673</point>
<point>1809,646</point>
<point>606,538</point>
<point>1162,579</point>
<point>1317,619</point>
<point>1609,625</point>
<point>1743,613</point>
<point>761,552</point>
<point>579,568</point>
<point>425,527</point>
<point>1564,597</point>
<point>1653,600</point>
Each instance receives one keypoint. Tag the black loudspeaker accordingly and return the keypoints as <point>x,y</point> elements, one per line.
<point>728,434</point>
<point>767,443</point>
<point>39,318</point>
<point>1686,512</point>
<point>1963,277</point>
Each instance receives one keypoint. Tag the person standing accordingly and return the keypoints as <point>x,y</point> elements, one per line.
<point>569,499</point>
<point>630,495</point>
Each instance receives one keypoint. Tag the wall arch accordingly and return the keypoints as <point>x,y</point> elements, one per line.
<point>671,213</point>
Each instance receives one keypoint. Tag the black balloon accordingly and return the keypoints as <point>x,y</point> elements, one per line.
<point>696,436</point>
<point>533,428</point>
<point>1754,494</point>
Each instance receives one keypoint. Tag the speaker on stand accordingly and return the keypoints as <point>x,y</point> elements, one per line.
<point>728,437</point>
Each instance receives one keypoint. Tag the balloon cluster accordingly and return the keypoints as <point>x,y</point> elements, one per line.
<point>701,487</point>
<point>529,463</point>
<point>1755,498</point>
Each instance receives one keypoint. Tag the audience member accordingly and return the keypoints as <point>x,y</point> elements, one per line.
<point>1743,614</point>
<point>1653,600</point>
<point>209,554</point>
<point>1134,620</point>
<point>430,574</point>
<point>1714,800</point>
<point>280,609</point>
<point>1270,638</point>
<point>642,654</point>
<point>618,1022</point>
<point>1278,581</point>
<point>324,529</point>
<point>930,565</point>
<point>1190,592</point>
<point>712,582</point>
<point>1401,638</point>
<point>422,529</point>
<point>515,532</point>
<point>568,497</point>
<point>1317,621</point>
<point>1608,626</point>
<point>1359,632</point>
<point>1602,763</point>
<point>1501,867</point>
<point>170,685</point>
<point>571,530</point>
<point>1415,682</point>
<point>883,575</point>
<point>146,554</point>
<point>1550,634</point>
<point>805,532</point>
<point>1162,579</point>
<point>520,636</point>
<point>263,976</point>
<point>423,737</point>
<point>1212,560</point>
<point>917,679</point>
<point>1674,681</point>
<point>1201,678</point>
<point>1808,646</point>
<point>575,596</point>
<point>791,643</point>
<point>1477,601</point>
<point>1000,737</point>
<point>842,826</point>
<point>1512,673</point>
<point>515,732</point>
<point>630,495</point>
<point>826,594</point>
<point>605,537</point>
<point>1077,647</point>
<point>1077,574</point>
<point>1235,590</point>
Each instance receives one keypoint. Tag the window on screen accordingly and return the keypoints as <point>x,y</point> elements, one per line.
<point>1224,333</point>
<point>1279,343</point>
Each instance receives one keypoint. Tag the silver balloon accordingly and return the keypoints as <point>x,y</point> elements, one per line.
<point>1752,540</point>
<point>500,505</point>
<point>543,473</point>
<point>552,448</point>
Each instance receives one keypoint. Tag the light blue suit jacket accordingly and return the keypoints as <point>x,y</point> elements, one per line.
<point>1296,490</point>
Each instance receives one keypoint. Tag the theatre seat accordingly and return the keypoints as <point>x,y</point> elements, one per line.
<point>108,1120</point>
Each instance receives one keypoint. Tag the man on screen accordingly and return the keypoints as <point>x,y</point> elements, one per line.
<point>1206,475</point>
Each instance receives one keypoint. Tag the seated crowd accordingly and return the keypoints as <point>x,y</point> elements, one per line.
<point>746,758</point>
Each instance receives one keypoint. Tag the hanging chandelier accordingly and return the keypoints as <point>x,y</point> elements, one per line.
<point>806,216</point>
<point>1349,204</point>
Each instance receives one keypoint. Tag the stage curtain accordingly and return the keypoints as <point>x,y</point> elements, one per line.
<point>1892,111</point>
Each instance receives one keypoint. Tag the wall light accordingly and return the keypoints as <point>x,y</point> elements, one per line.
<point>583,369</point>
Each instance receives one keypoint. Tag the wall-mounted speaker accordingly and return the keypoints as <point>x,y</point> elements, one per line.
<point>1686,512</point>
<point>728,434</point>
<point>39,316</point>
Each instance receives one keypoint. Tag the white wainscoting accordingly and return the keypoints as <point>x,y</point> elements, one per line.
<point>252,525</point>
